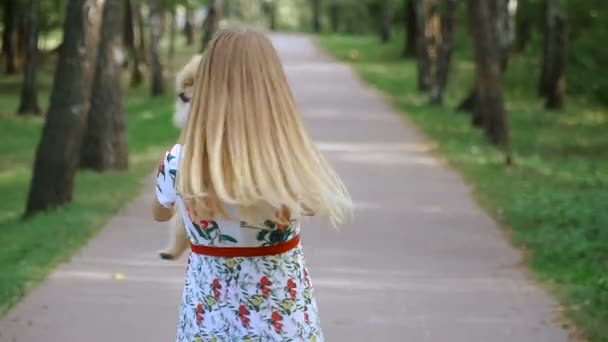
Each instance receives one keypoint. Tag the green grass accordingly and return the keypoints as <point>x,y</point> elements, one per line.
<point>30,249</point>
<point>553,203</point>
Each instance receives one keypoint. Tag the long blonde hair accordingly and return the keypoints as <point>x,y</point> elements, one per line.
<point>244,143</point>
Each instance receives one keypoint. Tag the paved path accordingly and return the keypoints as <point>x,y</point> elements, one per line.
<point>421,262</point>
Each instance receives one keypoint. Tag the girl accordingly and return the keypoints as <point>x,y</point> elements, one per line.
<point>242,179</point>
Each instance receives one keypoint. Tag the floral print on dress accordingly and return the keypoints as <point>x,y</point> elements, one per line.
<point>266,298</point>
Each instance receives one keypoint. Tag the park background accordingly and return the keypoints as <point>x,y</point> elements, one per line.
<point>511,93</point>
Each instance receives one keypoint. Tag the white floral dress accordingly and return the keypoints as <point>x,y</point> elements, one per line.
<point>266,298</point>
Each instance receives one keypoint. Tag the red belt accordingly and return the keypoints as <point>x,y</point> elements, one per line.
<point>232,252</point>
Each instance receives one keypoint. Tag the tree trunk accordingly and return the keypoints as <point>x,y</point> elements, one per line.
<point>20,39</point>
<point>8,47</point>
<point>211,23</point>
<point>58,151</point>
<point>386,23</point>
<point>409,48</point>
<point>142,48</point>
<point>270,9</point>
<point>129,38</point>
<point>104,144</point>
<point>29,90</point>
<point>188,28</point>
<point>502,14</point>
<point>502,17</point>
<point>172,30</point>
<point>422,45</point>
<point>334,16</point>
<point>555,60</point>
<point>448,16</point>
<point>316,15</point>
<point>489,100</point>
<point>523,32</point>
<point>157,87</point>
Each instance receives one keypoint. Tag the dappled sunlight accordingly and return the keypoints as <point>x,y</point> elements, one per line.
<point>382,153</point>
<point>589,118</point>
<point>379,158</point>
<point>422,285</point>
<point>314,67</point>
<point>151,153</point>
<point>375,147</point>
<point>105,276</point>
<point>9,175</point>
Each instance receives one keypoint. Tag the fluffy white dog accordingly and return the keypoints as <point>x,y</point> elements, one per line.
<point>184,88</point>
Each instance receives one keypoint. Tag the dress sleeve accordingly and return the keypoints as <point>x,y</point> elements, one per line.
<point>166,193</point>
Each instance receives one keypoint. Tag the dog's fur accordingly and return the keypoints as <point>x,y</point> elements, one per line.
<point>184,88</point>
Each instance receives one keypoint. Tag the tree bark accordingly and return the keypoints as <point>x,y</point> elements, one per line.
<point>188,27</point>
<point>409,48</point>
<point>141,32</point>
<point>129,39</point>
<point>104,145</point>
<point>502,14</point>
<point>523,31</point>
<point>172,30</point>
<point>334,16</point>
<point>8,46</point>
<point>422,45</point>
<point>58,151</point>
<point>502,18</point>
<point>157,86</point>
<point>29,90</point>
<point>554,62</point>
<point>489,100</point>
<point>440,79</point>
<point>316,15</point>
<point>20,39</point>
<point>386,23</point>
<point>270,10</point>
<point>211,23</point>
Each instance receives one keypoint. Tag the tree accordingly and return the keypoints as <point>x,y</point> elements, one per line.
<point>409,48</point>
<point>172,29</point>
<point>269,7</point>
<point>141,32</point>
<point>386,23</point>
<point>423,10</point>
<point>552,83</point>
<point>9,12</point>
<point>157,87</point>
<point>58,151</point>
<point>489,98</point>
<point>29,90</point>
<point>334,15</point>
<point>448,16</point>
<point>188,27</point>
<point>211,23</point>
<point>502,13</point>
<point>316,15</point>
<point>130,42</point>
<point>502,19</point>
<point>105,143</point>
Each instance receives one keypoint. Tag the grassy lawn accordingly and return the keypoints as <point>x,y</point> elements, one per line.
<point>31,248</point>
<point>554,202</point>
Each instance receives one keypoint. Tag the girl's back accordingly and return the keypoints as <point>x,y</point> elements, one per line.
<point>244,174</point>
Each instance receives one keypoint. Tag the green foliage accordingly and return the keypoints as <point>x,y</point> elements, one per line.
<point>588,23</point>
<point>553,201</point>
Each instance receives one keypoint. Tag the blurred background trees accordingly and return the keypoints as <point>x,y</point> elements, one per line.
<point>132,37</point>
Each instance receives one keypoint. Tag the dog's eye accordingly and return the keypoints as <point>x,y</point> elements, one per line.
<point>188,82</point>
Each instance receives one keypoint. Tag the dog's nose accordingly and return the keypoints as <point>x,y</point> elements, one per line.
<point>184,97</point>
